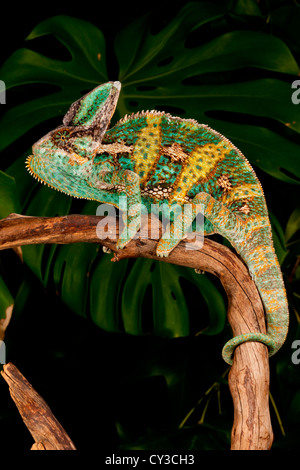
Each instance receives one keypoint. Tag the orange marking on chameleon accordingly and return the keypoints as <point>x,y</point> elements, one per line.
<point>74,158</point>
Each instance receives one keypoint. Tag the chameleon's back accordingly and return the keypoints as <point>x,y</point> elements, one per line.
<point>177,160</point>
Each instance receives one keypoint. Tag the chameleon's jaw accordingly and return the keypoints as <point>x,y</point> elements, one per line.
<point>29,168</point>
<point>32,172</point>
<point>66,180</point>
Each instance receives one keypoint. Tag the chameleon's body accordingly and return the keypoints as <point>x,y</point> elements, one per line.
<point>154,158</point>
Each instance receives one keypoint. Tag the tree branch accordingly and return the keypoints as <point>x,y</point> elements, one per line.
<point>249,374</point>
<point>46,431</point>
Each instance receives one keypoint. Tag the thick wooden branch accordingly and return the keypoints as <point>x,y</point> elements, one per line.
<point>46,431</point>
<point>249,374</point>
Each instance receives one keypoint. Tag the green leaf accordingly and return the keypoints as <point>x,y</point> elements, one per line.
<point>6,299</point>
<point>46,203</point>
<point>294,409</point>
<point>278,238</point>
<point>9,202</point>
<point>25,186</point>
<point>151,48</point>
<point>285,19</point>
<point>293,224</point>
<point>170,312</point>
<point>200,437</point>
<point>231,51</point>
<point>147,297</point>
<point>247,7</point>
<point>72,284</point>
<point>85,70</point>
<point>105,292</point>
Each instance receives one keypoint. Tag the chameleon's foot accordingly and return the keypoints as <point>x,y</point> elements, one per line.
<point>230,346</point>
<point>162,254</point>
<point>106,250</point>
<point>165,246</point>
<point>121,244</point>
<point>125,237</point>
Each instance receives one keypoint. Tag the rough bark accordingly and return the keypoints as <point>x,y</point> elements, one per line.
<point>46,431</point>
<point>249,374</point>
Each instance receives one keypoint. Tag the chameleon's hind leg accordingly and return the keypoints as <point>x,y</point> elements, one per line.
<point>225,222</point>
<point>174,232</point>
<point>231,226</point>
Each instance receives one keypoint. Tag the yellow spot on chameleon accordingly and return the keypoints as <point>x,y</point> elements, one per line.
<point>147,148</point>
<point>201,162</point>
<point>74,158</point>
<point>255,222</point>
<point>259,260</point>
<point>272,299</point>
<point>244,191</point>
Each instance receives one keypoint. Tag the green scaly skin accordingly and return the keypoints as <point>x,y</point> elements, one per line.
<point>160,161</point>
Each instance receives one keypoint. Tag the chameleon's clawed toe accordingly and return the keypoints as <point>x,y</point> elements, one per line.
<point>120,245</point>
<point>161,255</point>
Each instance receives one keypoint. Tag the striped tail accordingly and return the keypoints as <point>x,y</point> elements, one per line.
<point>258,253</point>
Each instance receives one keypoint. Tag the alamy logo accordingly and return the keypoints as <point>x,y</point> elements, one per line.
<point>187,221</point>
<point>2,352</point>
<point>296,354</point>
<point>2,92</point>
<point>296,95</point>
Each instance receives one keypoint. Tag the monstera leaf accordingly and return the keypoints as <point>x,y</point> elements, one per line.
<point>238,82</point>
<point>85,70</point>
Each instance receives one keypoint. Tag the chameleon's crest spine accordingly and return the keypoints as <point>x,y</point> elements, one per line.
<point>154,112</point>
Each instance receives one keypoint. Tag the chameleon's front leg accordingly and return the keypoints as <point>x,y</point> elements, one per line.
<point>131,213</point>
<point>127,183</point>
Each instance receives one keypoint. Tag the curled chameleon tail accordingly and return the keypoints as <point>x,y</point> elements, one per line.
<point>259,255</point>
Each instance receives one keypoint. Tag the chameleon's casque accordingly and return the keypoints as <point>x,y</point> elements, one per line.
<point>154,158</point>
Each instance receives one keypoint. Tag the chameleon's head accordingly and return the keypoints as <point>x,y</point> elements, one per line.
<point>60,155</point>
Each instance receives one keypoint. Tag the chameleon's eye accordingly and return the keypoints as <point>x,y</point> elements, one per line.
<point>61,136</point>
